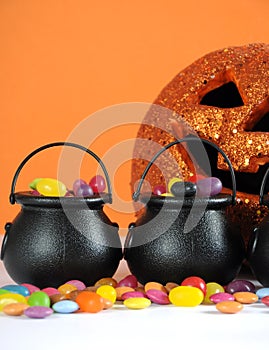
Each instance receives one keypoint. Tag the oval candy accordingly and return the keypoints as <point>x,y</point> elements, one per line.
<point>222,296</point>
<point>39,299</point>
<point>38,311</point>
<point>262,292</point>
<point>137,303</point>
<point>246,297</point>
<point>15,309</point>
<point>240,286</point>
<point>17,289</point>
<point>186,296</point>
<point>229,307</point>
<point>158,297</point>
<point>65,306</point>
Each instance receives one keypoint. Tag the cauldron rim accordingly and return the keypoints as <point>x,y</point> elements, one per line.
<point>26,198</point>
<point>218,201</point>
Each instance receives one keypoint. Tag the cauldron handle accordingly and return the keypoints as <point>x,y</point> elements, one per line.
<point>263,187</point>
<point>56,144</point>
<point>187,139</point>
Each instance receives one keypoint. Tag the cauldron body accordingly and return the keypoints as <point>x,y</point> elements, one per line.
<point>53,240</point>
<point>157,248</point>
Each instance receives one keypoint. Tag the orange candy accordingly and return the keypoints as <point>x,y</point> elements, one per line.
<point>90,302</point>
<point>229,307</point>
<point>246,297</point>
<point>15,309</point>
<point>121,290</point>
<point>155,285</point>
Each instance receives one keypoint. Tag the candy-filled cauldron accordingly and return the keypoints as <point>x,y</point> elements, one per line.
<point>178,237</point>
<point>258,245</point>
<point>56,239</point>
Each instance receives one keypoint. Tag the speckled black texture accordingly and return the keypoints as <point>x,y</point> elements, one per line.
<point>158,251</point>
<point>44,248</point>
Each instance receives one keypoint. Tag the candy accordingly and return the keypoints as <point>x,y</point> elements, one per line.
<point>222,296</point>
<point>84,191</point>
<point>77,183</point>
<point>78,284</point>
<point>51,187</point>
<point>65,306</point>
<point>195,281</point>
<point>90,302</point>
<point>33,184</point>
<point>128,281</point>
<point>98,184</point>
<point>212,288</point>
<point>38,312</point>
<point>107,292</point>
<point>246,297</point>
<point>11,298</point>
<point>170,285</point>
<point>121,290</point>
<point>106,280</point>
<point>262,292</point>
<point>66,288</point>
<point>30,287</point>
<point>183,189</point>
<point>15,309</point>
<point>172,182</point>
<point>209,186</point>
<point>195,178</point>
<point>229,307</point>
<point>159,189</point>
<point>134,294</point>
<point>265,300</point>
<point>240,286</point>
<point>158,296</point>
<point>17,289</point>
<point>186,296</point>
<point>154,285</point>
<point>58,297</point>
<point>50,291</point>
<point>39,299</point>
<point>3,291</point>
<point>137,303</point>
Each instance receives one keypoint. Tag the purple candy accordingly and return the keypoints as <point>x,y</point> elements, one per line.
<point>158,296</point>
<point>210,186</point>
<point>77,183</point>
<point>240,286</point>
<point>222,296</point>
<point>38,311</point>
<point>84,191</point>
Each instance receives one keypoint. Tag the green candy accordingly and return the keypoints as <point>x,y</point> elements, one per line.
<point>39,299</point>
<point>33,184</point>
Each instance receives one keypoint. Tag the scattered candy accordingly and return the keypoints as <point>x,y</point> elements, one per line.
<point>77,184</point>
<point>246,297</point>
<point>84,191</point>
<point>240,286</point>
<point>38,311</point>
<point>39,299</point>
<point>262,292</point>
<point>50,291</point>
<point>106,280</point>
<point>121,290</point>
<point>158,296</point>
<point>186,296</point>
<point>172,182</point>
<point>78,284</point>
<point>229,307</point>
<point>17,289</point>
<point>134,294</point>
<point>137,303</point>
<point>212,288</point>
<point>183,189</point>
<point>30,287</point>
<point>90,302</point>
<point>265,300</point>
<point>65,306</point>
<point>15,309</point>
<point>107,292</point>
<point>11,298</point>
<point>128,281</point>
<point>66,288</point>
<point>209,186</point>
<point>195,281</point>
<point>222,296</point>
<point>154,285</point>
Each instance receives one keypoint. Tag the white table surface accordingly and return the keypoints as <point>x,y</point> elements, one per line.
<point>157,327</point>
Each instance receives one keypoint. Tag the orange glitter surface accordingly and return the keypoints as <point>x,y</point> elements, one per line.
<point>223,97</point>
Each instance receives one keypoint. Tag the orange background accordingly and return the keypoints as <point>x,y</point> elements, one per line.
<point>62,60</point>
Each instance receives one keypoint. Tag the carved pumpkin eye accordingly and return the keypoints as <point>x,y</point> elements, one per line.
<point>224,96</point>
<point>262,125</point>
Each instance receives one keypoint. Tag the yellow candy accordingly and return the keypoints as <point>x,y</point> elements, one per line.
<point>51,187</point>
<point>167,194</point>
<point>137,303</point>
<point>186,296</point>
<point>172,181</point>
<point>10,298</point>
<point>107,292</point>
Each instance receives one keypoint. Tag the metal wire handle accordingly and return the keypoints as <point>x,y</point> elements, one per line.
<point>263,186</point>
<point>56,144</point>
<point>188,139</point>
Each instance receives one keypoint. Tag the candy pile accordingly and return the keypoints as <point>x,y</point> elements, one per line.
<point>203,186</point>
<point>55,188</point>
<point>74,296</point>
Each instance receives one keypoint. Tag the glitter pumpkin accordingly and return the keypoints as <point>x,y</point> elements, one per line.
<point>222,97</point>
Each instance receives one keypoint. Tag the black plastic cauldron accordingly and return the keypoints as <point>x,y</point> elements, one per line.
<point>178,237</point>
<point>258,245</point>
<point>55,239</point>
